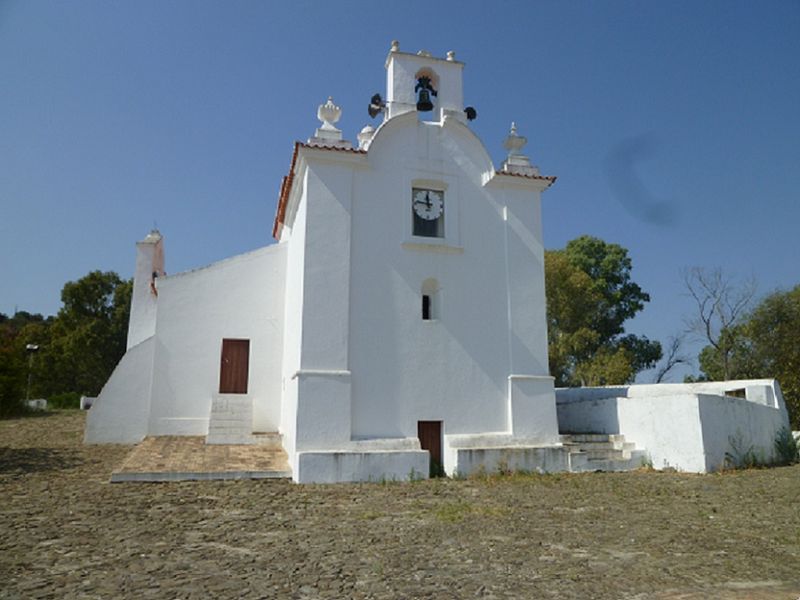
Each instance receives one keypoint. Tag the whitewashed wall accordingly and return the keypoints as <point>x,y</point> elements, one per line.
<point>750,425</point>
<point>684,426</point>
<point>489,271</point>
<point>119,415</point>
<point>241,297</point>
<point>294,239</point>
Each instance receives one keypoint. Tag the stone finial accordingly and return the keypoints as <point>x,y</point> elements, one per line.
<point>424,53</point>
<point>328,134</point>
<point>514,143</point>
<point>329,114</point>
<point>451,55</point>
<point>365,137</point>
<point>516,162</point>
<point>395,46</point>
<point>153,237</point>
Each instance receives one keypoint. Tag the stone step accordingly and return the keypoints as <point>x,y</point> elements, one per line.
<point>214,423</point>
<point>227,412</point>
<point>606,454</point>
<point>231,421</point>
<point>602,452</point>
<point>600,446</point>
<point>271,439</point>
<point>593,437</point>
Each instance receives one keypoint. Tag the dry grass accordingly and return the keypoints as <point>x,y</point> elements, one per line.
<point>66,532</point>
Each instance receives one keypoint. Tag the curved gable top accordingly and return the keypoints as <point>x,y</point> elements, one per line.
<point>397,139</point>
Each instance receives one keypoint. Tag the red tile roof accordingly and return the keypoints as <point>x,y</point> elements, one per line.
<point>283,199</point>
<point>550,178</point>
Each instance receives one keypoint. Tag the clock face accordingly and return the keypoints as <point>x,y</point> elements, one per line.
<point>428,204</point>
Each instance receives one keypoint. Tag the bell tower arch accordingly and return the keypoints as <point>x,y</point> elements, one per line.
<point>404,73</point>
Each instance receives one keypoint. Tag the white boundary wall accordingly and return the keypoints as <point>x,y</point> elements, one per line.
<point>689,427</point>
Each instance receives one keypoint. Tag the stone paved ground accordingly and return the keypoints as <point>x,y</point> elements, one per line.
<point>65,532</point>
<point>181,455</point>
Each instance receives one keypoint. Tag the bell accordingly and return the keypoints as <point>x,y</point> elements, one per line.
<point>424,104</point>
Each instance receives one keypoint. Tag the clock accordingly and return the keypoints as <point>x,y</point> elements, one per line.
<point>428,204</point>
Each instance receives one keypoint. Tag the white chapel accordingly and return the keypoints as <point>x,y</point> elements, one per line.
<point>396,328</point>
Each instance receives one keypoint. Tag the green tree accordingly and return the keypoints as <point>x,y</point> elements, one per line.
<point>590,295</point>
<point>14,359</point>
<point>12,375</point>
<point>764,343</point>
<point>87,337</point>
<point>78,348</point>
<point>721,303</point>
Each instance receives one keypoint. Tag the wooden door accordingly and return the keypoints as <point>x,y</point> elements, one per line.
<point>234,366</point>
<point>430,439</point>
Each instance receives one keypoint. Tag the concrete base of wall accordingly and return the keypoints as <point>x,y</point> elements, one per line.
<point>541,459</point>
<point>344,466</point>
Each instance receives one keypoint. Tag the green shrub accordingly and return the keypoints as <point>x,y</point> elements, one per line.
<point>786,447</point>
<point>65,400</point>
<point>742,454</point>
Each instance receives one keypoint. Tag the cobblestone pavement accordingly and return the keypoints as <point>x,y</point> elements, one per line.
<point>65,532</point>
<point>190,454</point>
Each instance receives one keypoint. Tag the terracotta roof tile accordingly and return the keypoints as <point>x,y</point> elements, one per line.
<point>283,199</point>
<point>334,148</point>
<point>550,178</point>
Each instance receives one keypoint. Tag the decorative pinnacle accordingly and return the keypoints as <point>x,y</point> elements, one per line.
<point>329,114</point>
<point>451,55</point>
<point>514,143</point>
<point>395,46</point>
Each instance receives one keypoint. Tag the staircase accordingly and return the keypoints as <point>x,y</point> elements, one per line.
<point>602,452</point>
<point>231,420</point>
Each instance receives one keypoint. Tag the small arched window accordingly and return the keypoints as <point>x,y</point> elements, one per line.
<point>431,309</point>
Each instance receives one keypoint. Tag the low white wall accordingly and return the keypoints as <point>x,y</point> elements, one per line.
<point>541,459</point>
<point>119,414</point>
<point>337,467</point>
<point>731,425</point>
<point>667,428</point>
<point>685,426</point>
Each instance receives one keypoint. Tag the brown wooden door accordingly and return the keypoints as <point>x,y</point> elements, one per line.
<point>234,366</point>
<point>430,439</point>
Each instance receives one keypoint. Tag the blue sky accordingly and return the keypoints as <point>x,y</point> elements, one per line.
<point>673,127</point>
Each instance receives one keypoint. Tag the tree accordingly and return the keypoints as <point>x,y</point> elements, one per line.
<point>765,343</point>
<point>590,295</point>
<point>88,336</point>
<point>12,374</point>
<point>13,359</point>
<point>721,304</point>
<point>78,348</point>
<point>675,356</point>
